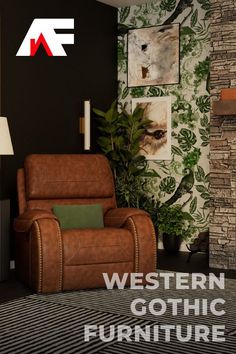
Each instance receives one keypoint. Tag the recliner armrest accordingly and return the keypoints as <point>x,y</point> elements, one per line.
<point>24,221</point>
<point>117,217</point>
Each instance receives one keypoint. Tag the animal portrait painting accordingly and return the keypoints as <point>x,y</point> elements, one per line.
<point>155,143</point>
<point>153,55</point>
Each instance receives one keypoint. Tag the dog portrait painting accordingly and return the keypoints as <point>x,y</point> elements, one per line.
<point>155,144</point>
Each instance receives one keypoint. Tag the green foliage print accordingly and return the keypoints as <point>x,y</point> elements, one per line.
<point>154,91</point>
<point>191,158</point>
<point>183,112</point>
<point>121,55</point>
<point>201,69</point>
<point>124,13</point>
<point>203,103</point>
<point>186,139</point>
<point>203,188</point>
<point>168,5</point>
<point>188,41</point>
<point>184,179</point>
<point>206,5</point>
<point>137,92</point>
<point>202,73</point>
<point>168,185</point>
<point>205,130</point>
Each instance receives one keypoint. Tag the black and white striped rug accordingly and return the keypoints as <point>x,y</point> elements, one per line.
<point>55,323</point>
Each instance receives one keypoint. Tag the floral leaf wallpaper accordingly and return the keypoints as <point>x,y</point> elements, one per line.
<point>190,100</point>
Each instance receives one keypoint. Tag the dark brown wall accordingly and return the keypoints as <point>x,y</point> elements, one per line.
<point>43,96</point>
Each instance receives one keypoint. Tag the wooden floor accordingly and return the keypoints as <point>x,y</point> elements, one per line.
<point>13,289</point>
<point>199,263</point>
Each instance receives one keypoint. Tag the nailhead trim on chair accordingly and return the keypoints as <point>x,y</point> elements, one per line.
<point>61,255</point>
<point>30,253</point>
<point>154,243</point>
<point>133,228</point>
<point>135,233</point>
<point>38,233</point>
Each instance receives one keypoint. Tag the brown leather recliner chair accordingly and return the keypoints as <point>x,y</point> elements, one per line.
<point>49,259</point>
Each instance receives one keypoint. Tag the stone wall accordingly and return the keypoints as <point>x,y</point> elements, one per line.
<point>223,138</point>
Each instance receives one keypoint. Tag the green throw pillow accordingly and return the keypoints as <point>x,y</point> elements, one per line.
<point>79,216</point>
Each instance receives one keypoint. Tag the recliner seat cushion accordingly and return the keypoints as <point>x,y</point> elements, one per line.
<point>89,246</point>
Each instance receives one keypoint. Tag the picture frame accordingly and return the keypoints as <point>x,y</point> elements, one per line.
<point>153,55</point>
<point>155,144</point>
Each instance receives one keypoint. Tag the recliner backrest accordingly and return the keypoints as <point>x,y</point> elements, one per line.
<point>68,179</point>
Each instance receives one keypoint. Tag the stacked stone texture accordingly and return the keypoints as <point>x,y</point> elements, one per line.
<point>223,138</point>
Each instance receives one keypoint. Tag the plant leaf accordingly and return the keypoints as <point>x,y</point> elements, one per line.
<point>176,150</point>
<point>201,189</point>
<point>168,185</point>
<point>193,205</point>
<point>99,112</point>
<point>194,18</point>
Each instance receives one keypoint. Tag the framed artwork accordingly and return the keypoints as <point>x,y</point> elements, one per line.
<point>153,55</point>
<point>155,144</point>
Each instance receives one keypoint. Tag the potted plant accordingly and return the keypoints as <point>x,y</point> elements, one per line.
<point>119,140</point>
<point>175,225</point>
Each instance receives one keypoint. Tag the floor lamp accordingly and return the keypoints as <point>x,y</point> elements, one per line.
<point>5,149</point>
